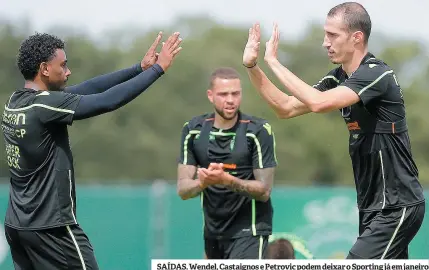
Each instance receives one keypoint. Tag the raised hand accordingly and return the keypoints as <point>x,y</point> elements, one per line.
<point>272,44</point>
<point>169,50</point>
<point>251,50</point>
<point>151,55</point>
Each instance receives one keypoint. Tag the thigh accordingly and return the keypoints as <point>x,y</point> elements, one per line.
<point>21,260</point>
<point>60,248</point>
<point>83,247</point>
<point>212,249</point>
<point>251,247</point>
<point>388,234</point>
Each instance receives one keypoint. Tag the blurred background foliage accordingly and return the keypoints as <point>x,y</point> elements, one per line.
<point>141,140</point>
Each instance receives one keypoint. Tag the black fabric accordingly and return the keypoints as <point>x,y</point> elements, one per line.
<point>40,159</point>
<point>249,247</point>
<point>246,146</point>
<point>42,190</point>
<point>118,95</point>
<point>103,82</point>
<point>60,248</point>
<point>388,233</point>
<point>385,173</point>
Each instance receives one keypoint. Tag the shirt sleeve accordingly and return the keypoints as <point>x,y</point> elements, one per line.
<point>327,82</point>
<point>101,83</point>
<point>369,81</point>
<point>186,156</point>
<point>56,107</point>
<point>263,154</point>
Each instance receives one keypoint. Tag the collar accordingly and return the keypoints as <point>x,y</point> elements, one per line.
<point>366,58</point>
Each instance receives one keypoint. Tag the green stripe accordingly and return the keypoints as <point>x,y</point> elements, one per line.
<point>374,82</point>
<point>202,208</point>
<point>327,77</point>
<point>254,217</point>
<point>261,243</point>
<point>274,146</point>
<point>185,145</point>
<point>258,148</point>
<point>218,133</point>
<point>185,149</point>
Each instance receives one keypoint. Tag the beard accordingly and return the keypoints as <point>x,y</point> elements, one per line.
<point>57,86</point>
<point>224,116</point>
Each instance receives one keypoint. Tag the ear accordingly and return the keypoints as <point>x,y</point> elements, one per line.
<point>358,37</point>
<point>210,95</point>
<point>44,69</point>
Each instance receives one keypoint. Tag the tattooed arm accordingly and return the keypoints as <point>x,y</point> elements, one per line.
<point>258,189</point>
<point>264,163</point>
<point>187,186</point>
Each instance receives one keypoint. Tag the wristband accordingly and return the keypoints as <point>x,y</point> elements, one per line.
<point>254,65</point>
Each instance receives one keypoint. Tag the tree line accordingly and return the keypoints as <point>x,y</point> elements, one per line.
<point>140,142</point>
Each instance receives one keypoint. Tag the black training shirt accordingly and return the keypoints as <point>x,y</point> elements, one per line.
<point>34,124</point>
<point>247,146</point>
<point>42,193</point>
<point>384,170</point>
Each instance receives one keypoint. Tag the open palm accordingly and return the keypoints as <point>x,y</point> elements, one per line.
<point>251,50</point>
<point>272,45</point>
<point>151,55</point>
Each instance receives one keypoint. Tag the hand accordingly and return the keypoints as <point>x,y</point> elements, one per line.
<point>215,166</point>
<point>151,56</point>
<point>251,50</point>
<point>211,176</point>
<point>169,50</point>
<point>272,45</point>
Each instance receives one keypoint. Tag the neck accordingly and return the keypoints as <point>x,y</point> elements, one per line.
<point>350,66</point>
<point>223,123</point>
<point>36,85</point>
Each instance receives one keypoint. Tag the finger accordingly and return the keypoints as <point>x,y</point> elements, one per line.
<point>212,165</point>
<point>176,44</point>
<point>215,166</point>
<point>258,31</point>
<point>277,33</point>
<point>172,39</point>
<point>253,33</point>
<point>176,51</point>
<point>202,174</point>
<point>156,42</point>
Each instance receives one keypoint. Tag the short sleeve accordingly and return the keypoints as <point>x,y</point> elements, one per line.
<point>327,82</point>
<point>264,155</point>
<point>369,81</point>
<point>56,107</point>
<point>186,156</point>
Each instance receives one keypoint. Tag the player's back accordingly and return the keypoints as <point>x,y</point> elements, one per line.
<point>40,160</point>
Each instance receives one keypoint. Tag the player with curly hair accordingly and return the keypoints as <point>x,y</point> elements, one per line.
<point>41,225</point>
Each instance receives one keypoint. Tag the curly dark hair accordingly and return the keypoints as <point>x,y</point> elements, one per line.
<point>36,49</point>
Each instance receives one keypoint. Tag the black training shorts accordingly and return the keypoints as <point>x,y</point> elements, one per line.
<point>51,249</point>
<point>386,234</point>
<point>249,247</point>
